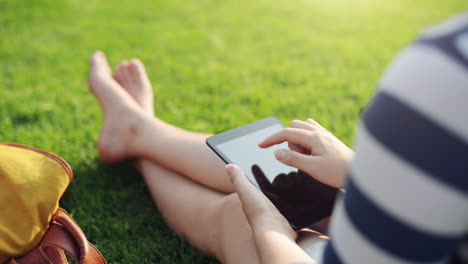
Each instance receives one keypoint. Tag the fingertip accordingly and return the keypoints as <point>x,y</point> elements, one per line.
<point>234,172</point>
<point>312,121</point>
<point>280,154</point>
<point>265,143</point>
<point>295,122</point>
<point>230,168</point>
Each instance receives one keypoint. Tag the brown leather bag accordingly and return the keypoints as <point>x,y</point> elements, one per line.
<point>64,235</point>
<point>33,228</point>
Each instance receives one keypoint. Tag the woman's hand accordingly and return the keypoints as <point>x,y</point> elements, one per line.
<point>314,150</point>
<point>259,210</point>
<point>274,237</point>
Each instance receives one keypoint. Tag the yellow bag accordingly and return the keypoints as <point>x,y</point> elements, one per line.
<point>33,229</point>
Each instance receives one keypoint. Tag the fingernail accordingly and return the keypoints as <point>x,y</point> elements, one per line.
<point>280,153</point>
<point>230,169</point>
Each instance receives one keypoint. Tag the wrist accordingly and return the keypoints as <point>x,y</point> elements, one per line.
<point>350,156</point>
<point>275,247</point>
<point>273,223</point>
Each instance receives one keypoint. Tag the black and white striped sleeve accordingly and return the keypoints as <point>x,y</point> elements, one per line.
<point>407,196</point>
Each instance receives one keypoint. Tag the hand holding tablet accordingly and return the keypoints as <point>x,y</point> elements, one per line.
<point>299,197</point>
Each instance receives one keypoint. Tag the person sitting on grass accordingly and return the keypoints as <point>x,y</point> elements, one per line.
<point>406,187</point>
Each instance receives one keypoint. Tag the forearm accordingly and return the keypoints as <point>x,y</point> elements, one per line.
<point>277,246</point>
<point>273,236</point>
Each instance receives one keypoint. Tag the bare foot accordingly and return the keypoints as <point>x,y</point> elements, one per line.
<point>122,115</point>
<point>133,78</point>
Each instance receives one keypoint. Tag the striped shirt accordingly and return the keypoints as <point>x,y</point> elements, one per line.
<point>406,199</point>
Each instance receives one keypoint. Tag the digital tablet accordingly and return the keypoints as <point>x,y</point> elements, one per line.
<point>299,197</point>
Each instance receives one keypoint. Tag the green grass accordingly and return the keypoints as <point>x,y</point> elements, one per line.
<point>214,65</point>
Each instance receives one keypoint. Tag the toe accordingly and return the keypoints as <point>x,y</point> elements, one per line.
<point>122,73</point>
<point>138,73</point>
<point>99,74</point>
<point>135,72</point>
<point>118,74</point>
<point>99,64</point>
<point>136,66</point>
<point>106,89</point>
<point>125,73</point>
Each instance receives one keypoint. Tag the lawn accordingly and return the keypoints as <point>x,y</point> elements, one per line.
<point>214,65</point>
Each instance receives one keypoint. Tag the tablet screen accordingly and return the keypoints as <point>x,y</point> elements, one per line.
<point>250,153</point>
<point>299,197</point>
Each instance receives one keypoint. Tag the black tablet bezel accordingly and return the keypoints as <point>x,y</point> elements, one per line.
<point>229,135</point>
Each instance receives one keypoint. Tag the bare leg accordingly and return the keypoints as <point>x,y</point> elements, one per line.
<point>211,221</point>
<point>217,224</point>
<point>131,132</point>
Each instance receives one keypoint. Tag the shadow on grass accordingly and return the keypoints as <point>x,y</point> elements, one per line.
<point>115,210</point>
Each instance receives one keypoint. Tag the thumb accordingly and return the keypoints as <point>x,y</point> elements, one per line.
<point>252,200</point>
<point>260,212</point>
<point>295,159</point>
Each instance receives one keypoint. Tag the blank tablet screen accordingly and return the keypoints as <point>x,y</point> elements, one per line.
<point>250,153</point>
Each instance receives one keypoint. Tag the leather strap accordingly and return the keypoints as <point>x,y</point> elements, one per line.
<point>64,235</point>
<point>55,255</point>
